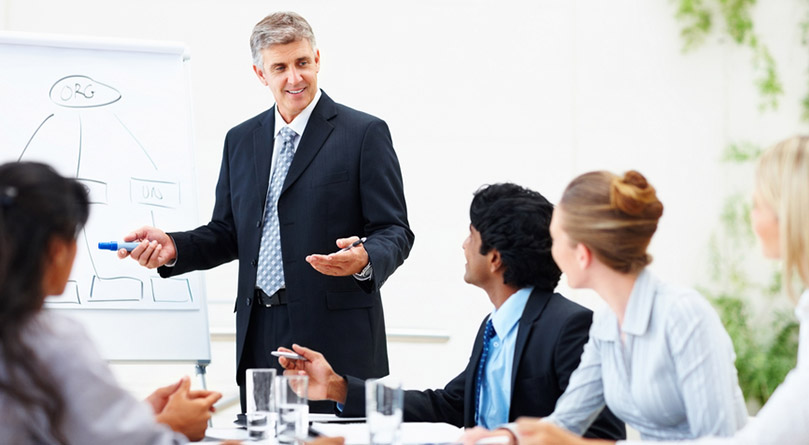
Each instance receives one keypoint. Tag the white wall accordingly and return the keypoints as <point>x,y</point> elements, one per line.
<point>478,92</point>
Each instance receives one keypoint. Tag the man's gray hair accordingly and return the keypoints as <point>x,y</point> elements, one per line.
<point>279,28</point>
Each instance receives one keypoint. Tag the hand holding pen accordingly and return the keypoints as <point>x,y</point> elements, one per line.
<point>351,258</point>
<point>352,245</point>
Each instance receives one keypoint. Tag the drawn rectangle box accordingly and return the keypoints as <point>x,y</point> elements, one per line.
<point>96,190</point>
<point>155,193</point>
<point>69,296</point>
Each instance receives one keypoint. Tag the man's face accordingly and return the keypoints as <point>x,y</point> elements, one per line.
<point>477,265</point>
<point>290,70</point>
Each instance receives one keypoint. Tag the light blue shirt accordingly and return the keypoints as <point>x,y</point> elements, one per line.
<point>673,377</point>
<point>495,396</point>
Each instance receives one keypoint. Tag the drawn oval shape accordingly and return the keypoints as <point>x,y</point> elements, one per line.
<point>82,92</point>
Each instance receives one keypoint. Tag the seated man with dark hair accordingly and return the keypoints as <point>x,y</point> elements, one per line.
<point>525,349</point>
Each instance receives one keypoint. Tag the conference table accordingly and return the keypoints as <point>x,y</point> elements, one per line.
<point>354,431</point>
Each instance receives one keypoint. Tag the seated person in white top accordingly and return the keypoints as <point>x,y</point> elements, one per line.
<point>781,221</point>
<point>54,386</point>
<point>658,355</point>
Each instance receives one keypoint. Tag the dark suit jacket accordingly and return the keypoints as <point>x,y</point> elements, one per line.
<point>550,339</point>
<point>344,180</point>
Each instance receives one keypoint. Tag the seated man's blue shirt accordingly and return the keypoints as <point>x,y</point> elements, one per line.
<point>495,397</point>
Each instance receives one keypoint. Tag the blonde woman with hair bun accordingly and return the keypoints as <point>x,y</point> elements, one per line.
<point>780,218</point>
<point>658,355</point>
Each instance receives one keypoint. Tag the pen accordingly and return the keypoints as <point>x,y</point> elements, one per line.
<point>354,244</point>
<point>114,245</point>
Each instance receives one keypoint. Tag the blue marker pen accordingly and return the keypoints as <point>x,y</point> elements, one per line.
<point>114,245</point>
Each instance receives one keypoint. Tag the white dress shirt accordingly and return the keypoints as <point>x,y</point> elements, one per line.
<point>785,417</point>
<point>672,378</point>
<point>298,125</point>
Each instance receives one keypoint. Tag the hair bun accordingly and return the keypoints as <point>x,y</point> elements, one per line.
<point>634,196</point>
<point>634,177</point>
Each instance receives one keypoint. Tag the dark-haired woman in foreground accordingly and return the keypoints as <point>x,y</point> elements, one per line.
<point>54,386</point>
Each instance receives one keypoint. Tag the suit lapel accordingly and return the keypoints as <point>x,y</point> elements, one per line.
<point>263,144</point>
<point>533,309</point>
<point>314,136</point>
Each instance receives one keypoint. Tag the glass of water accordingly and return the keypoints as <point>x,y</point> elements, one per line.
<point>293,409</point>
<point>383,410</point>
<point>261,411</point>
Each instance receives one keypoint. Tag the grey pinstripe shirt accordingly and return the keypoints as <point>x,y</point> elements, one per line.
<point>783,420</point>
<point>674,377</point>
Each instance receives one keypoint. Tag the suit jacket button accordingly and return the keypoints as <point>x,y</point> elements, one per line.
<point>253,263</point>
<point>249,301</point>
<point>258,223</point>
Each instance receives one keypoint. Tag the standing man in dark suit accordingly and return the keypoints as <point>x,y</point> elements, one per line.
<point>524,351</point>
<point>295,180</point>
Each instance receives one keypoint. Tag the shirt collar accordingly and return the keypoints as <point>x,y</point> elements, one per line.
<point>510,312</point>
<point>299,123</point>
<point>638,310</point>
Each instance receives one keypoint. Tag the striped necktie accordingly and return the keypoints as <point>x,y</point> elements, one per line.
<point>270,273</point>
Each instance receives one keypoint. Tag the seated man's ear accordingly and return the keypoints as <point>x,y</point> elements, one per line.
<point>495,260</point>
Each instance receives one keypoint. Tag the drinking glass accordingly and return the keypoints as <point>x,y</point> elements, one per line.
<point>261,412</point>
<point>383,411</point>
<point>293,409</point>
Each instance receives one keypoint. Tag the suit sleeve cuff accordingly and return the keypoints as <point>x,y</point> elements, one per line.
<point>355,398</point>
<point>176,253</point>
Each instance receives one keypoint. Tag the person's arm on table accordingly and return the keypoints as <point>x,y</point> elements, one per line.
<point>324,383</point>
<point>187,411</point>
<point>533,431</point>
<point>583,399</point>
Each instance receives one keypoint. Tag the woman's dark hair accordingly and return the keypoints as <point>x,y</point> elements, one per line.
<point>516,221</point>
<point>37,206</point>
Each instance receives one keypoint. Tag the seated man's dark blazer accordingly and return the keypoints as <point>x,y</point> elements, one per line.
<point>550,340</point>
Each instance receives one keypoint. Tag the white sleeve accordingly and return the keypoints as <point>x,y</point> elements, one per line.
<point>97,410</point>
